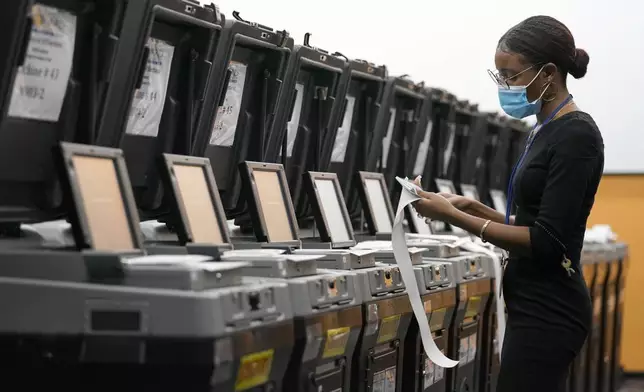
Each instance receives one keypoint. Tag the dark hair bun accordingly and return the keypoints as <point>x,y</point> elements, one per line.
<point>580,64</point>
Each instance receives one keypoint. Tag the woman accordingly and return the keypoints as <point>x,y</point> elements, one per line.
<point>553,188</point>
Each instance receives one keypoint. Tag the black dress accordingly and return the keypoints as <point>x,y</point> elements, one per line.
<point>549,311</point>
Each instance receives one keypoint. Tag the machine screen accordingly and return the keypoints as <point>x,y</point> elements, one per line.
<point>332,210</point>
<point>273,206</point>
<point>377,199</point>
<point>200,211</point>
<point>419,223</point>
<point>446,187</point>
<point>102,202</point>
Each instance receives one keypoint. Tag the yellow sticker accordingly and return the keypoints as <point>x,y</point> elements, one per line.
<point>473,268</point>
<point>437,319</point>
<point>336,342</point>
<point>388,279</point>
<point>36,16</point>
<point>473,305</point>
<point>254,370</point>
<point>332,288</point>
<point>428,306</point>
<point>388,328</point>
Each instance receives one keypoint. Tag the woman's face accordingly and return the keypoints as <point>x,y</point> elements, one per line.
<point>512,68</point>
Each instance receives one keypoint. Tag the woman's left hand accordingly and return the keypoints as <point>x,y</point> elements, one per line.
<point>434,206</point>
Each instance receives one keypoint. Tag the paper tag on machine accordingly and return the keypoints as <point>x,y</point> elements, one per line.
<point>227,118</point>
<point>148,101</point>
<point>40,85</point>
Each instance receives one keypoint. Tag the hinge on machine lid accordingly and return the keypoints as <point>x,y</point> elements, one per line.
<point>239,18</point>
<point>215,10</point>
<point>285,35</point>
<point>307,40</point>
<point>338,54</point>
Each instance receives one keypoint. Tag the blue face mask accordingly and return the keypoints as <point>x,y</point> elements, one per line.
<point>514,100</point>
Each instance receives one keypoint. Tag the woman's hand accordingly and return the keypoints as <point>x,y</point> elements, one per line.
<point>462,203</point>
<point>434,206</point>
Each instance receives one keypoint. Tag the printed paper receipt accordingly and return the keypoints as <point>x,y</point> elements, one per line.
<point>41,82</point>
<point>401,254</point>
<point>149,99</point>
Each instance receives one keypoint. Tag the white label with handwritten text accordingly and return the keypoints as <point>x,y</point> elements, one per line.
<point>41,82</point>
<point>148,101</point>
<point>225,128</point>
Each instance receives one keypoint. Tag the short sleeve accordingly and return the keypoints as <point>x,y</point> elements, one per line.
<point>574,161</point>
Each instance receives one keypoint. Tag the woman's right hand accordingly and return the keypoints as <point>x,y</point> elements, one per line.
<point>460,202</point>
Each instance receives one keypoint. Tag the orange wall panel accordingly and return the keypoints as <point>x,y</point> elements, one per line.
<point>620,203</point>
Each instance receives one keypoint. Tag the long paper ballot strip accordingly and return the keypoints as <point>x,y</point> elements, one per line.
<point>403,260</point>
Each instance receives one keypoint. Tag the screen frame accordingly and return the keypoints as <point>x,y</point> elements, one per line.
<point>316,205</point>
<point>73,197</point>
<point>260,228</point>
<point>366,203</point>
<point>441,181</point>
<point>184,232</point>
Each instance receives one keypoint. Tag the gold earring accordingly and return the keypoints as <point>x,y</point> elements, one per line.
<point>553,94</point>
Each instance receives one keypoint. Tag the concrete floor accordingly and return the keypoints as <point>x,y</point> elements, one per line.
<point>632,386</point>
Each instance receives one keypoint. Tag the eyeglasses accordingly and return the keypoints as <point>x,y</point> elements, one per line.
<point>503,82</point>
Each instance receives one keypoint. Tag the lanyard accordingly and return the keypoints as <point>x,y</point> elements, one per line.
<point>533,135</point>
